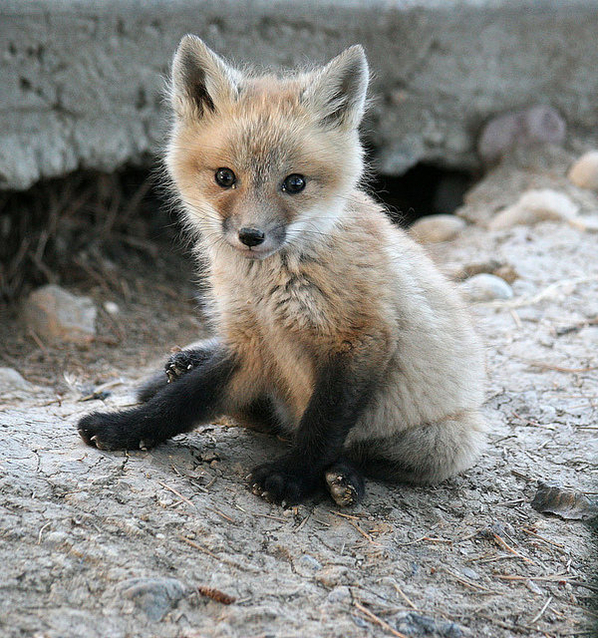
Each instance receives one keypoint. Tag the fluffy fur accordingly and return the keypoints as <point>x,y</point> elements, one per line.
<point>337,329</point>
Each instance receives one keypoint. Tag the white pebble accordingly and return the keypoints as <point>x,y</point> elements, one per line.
<point>485,287</point>
<point>587,224</point>
<point>436,228</point>
<point>111,308</point>
<point>536,206</point>
<point>584,173</point>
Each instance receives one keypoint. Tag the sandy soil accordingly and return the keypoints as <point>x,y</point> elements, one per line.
<point>116,544</point>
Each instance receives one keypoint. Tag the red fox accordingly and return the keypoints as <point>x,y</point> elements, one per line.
<point>331,325</point>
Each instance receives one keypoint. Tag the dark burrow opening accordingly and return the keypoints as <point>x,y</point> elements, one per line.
<point>423,190</point>
<point>66,230</point>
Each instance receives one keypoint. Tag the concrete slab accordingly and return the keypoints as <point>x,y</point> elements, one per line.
<point>81,80</point>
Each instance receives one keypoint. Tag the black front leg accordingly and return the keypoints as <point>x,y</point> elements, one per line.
<point>195,397</point>
<point>339,398</point>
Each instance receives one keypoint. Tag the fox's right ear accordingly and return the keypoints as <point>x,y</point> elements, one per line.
<point>201,80</point>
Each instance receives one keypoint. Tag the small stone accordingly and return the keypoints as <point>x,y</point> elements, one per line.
<point>584,173</point>
<point>111,308</point>
<point>155,596</point>
<point>56,538</point>
<point>531,585</point>
<point>414,624</point>
<point>11,380</point>
<point>54,313</point>
<point>528,127</point>
<point>209,456</point>
<point>586,224</point>
<point>310,562</point>
<point>432,229</point>
<point>339,594</point>
<point>506,272</point>
<point>536,206</point>
<point>470,573</point>
<point>332,576</point>
<point>485,287</point>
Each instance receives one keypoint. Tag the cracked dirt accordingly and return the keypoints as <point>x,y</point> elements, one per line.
<point>116,544</point>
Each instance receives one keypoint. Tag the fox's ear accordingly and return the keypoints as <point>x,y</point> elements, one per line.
<point>201,80</point>
<point>337,92</point>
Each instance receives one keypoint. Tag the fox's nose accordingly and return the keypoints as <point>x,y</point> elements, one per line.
<point>251,236</point>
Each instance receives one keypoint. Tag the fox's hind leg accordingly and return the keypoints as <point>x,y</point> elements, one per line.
<point>178,364</point>
<point>425,454</point>
<point>345,483</point>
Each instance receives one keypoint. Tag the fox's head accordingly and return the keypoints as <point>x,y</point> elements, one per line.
<point>261,162</point>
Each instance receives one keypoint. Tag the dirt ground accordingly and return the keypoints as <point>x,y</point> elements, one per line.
<point>117,544</point>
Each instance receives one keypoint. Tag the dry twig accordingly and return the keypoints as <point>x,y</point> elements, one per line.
<point>216,594</point>
<point>378,621</point>
<point>544,607</point>
<point>177,493</point>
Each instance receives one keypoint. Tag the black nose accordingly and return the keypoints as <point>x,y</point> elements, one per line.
<point>251,236</point>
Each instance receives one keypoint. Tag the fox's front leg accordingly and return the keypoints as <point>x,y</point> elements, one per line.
<point>196,397</point>
<point>340,396</point>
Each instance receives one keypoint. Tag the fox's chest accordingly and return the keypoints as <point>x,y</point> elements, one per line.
<point>280,300</point>
<point>297,303</point>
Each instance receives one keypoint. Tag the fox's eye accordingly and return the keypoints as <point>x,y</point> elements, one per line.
<point>225,177</point>
<point>294,183</point>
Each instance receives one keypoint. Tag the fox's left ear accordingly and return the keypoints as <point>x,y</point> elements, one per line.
<point>338,91</point>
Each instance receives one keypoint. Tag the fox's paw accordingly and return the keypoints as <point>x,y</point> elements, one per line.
<point>345,484</point>
<point>283,481</point>
<point>111,431</point>
<point>181,362</point>
<point>178,364</point>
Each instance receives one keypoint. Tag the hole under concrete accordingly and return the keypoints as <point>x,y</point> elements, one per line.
<point>423,190</point>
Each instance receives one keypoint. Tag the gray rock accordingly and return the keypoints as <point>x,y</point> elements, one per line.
<point>155,596</point>
<point>413,624</point>
<point>81,82</point>
<point>485,287</point>
<point>54,313</point>
<point>528,127</point>
<point>339,594</point>
<point>470,573</point>
<point>436,228</point>
<point>309,562</point>
<point>11,380</point>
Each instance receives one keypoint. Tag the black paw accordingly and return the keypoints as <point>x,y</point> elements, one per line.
<point>179,363</point>
<point>345,484</point>
<point>111,431</point>
<point>283,481</point>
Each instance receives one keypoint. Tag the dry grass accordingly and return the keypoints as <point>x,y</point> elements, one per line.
<point>63,230</point>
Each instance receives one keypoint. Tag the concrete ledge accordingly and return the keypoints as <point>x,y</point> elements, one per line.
<point>80,81</point>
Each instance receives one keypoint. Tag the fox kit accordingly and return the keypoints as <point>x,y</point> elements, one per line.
<point>331,325</point>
